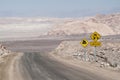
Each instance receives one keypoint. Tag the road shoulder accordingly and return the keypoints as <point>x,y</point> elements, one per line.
<point>105,73</point>
<point>8,62</point>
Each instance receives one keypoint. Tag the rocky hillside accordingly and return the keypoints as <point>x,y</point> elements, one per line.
<point>104,24</point>
<point>108,55</point>
<point>4,51</point>
<point>113,21</point>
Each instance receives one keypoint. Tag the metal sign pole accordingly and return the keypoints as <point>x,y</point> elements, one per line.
<point>95,53</point>
<point>84,43</point>
<point>85,55</point>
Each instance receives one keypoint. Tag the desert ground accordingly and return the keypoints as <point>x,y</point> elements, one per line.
<point>38,62</point>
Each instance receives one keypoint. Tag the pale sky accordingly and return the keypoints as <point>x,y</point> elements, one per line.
<point>57,8</point>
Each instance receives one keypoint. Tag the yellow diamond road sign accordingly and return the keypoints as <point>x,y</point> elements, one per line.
<point>95,36</point>
<point>95,43</point>
<point>84,43</point>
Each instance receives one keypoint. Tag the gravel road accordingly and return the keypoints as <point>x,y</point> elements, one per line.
<point>35,64</point>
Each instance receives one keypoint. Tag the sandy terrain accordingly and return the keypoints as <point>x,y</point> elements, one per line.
<point>104,24</point>
<point>14,71</point>
<point>47,66</point>
<point>107,55</point>
<point>7,67</point>
<point>38,62</point>
<point>87,66</point>
<point>30,65</point>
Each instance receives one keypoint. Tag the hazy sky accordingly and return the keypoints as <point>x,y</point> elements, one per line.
<point>57,8</point>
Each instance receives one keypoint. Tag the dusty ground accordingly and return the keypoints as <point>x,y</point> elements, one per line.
<point>107,74</point>
<point>9,67</point>
<point>107,55</point>
<point>35,66</point>
<point>13,70</point>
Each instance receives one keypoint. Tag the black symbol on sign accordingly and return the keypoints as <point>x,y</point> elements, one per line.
<point>84,42</point>
<point>95,34</point>
<point>95,38</point>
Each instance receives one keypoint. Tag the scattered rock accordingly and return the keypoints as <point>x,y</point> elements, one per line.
<point>3,50</point>
<point>108,55</point>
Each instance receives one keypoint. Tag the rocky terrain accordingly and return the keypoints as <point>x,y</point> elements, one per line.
<point>4,51</point>
<point>104,24</point>
<point>6,56</point>
<point>7,60</point>
<point>108,55</point>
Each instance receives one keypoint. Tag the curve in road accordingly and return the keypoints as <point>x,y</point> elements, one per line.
<point>41,67</point>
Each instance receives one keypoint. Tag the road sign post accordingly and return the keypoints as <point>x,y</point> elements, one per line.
<point>95,43</point>
<point>95,53</point>
<point>85,54</point>
<point>84,43</point>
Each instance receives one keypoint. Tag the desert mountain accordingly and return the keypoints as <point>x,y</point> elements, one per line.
<point>104,24</point>
<point>13,27</point>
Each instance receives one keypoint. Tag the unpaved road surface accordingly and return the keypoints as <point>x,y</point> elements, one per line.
<point>41,67</point>
<point>35,63</point>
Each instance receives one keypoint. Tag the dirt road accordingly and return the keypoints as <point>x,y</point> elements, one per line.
<point>35,64</point>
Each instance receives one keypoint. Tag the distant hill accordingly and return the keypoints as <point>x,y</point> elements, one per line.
<point>18,27</point>
<point>104,24</point>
